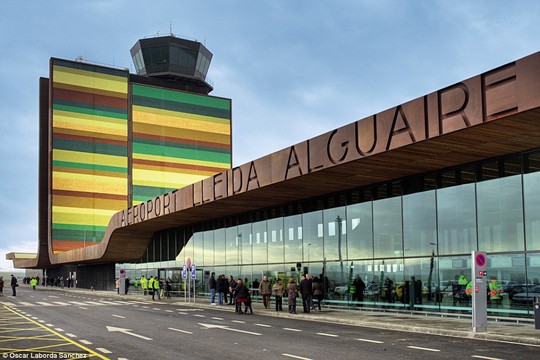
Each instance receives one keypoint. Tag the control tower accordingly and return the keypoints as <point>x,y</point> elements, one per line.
<point>181,63</point>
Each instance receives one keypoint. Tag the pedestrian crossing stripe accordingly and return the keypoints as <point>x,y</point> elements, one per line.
<point>66,303</point>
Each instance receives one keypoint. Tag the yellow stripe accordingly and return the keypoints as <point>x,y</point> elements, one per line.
<point>91,123</point>
<point>81,216</point>
<point>86,183</point>
<point>90,79</point>
<point>90,351</point>
<point>88,158</point>
<point>179,161</point>
<point>85,202</point>
<point>175,170</point>
<point>164,179</point>
<point>179,120</point>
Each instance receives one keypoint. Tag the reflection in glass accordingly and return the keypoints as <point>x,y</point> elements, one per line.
<point>260,242</point>
<point>419,223</point>
<point>293,244</point>
<point>275,242</point>
<point>335,235</point>
<point>387,227</point>
<point>313,235</point>
<point>531,195</point>
<point>360,231</point>
<point>500,215</point>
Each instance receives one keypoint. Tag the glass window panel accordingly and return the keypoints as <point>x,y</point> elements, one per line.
<point>456,216</point>
<point>420,284</point>
<point>275,245</point>
<point>531,184</point>
<point>260,250</point>
<point>208,248</point>
<point>335,238</point>
<point>175,55</point>
<point>360,231</point>
<point>245,239</point>
<point>311,223</point>
<point>419,224</point>
<point>452,290</point>
<point>219,246</point>
<point>293,245</point>
<point>387,226</point>
<point>232,252</point>
<point>198,249</point>
<point>500,215</point>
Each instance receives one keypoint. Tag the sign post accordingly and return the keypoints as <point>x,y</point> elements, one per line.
<point>479,294</point>
<point>184,277</point>
<point>193,277</point>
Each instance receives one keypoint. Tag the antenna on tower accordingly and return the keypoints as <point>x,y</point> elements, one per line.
<point>170,28</point>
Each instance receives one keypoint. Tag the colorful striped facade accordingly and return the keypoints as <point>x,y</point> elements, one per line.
<point>178,139</point>
<point>115,144</point>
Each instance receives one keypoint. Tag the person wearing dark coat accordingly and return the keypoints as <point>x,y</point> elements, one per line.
<point>306,289</point>
<point>222,284</point>
<point>14,285</point>
<point>242,296</point>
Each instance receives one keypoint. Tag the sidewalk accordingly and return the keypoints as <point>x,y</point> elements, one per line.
<point>523,332</point>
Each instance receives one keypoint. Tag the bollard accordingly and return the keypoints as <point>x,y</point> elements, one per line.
<point>536,306</point>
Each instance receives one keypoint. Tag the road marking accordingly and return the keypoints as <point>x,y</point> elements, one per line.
<point>94,303</point>
<point>50,325</point>
<point>77,303</point>
<point>485,357</point>
<point>291,329</point>
<point>325,334</point>
<point>296,357</point>
<point>156,309</point>
<point>119,316</point>
<point>83,308</point>
<point>58,329</point>
<point>103,350</point>
<point>127,331</point>
<point>183,313</point>
<point>44,303</point>
<point>238,321</point>
<point>90,351</point>
<point>263,325</point>
<point>86,342</point>
<point>217,318</point>
<point>224,327</point>
<point>169,311</point>
<point>422,348</point>
<point>60,303</point>
<point>71,335</point>
<point>41,321</point>
<point>182,331</point>
<point>199,315</point>
<point>53,296</point>
<point>371,341</point>
<point>26,303</point>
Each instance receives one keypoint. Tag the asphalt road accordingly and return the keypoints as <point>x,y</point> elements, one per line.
<point>128,328</point>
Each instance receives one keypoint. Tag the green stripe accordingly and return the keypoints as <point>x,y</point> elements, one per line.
<point>77,235</point>
<point>181,153</point>
<point>90,111</point>
<point>179,145</point>
<point>142,193</point>
<point>73,165</point>
<point>178,96</point>
<point>95,148</point>
<point>180,107</point>
<point>92,68</point>
<point>81,105</point>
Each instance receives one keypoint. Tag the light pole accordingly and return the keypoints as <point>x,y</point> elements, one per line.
<point>308,247</point>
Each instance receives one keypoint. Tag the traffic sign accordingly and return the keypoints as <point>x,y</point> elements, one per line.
<point>184,271</point>
<point>193,272</point>
<point>480,259</point>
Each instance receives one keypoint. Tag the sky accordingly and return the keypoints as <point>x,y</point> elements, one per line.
<point>294,69</point>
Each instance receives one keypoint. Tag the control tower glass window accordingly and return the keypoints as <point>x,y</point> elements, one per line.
<point>159,58</point>
<point>139,63</point>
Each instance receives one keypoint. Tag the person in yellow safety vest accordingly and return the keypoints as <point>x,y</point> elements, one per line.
<point>462,280</point>
<point>153,285</point>
<point>33,283</point>
<point>144,284</point>
<point>495,290</point>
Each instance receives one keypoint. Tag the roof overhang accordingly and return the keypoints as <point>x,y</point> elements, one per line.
<point>492,114</point>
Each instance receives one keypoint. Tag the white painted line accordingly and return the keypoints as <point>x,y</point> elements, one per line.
<point>262,325</point>
<point>183,313</point>
<point>61,303</point>
<point>224,327</point>
<point>422,348</point>
<point>182,331</point>
<point>44,303</point>
<point>238,321</point>
<point>71,335</point>
<point>145,307</point>
<point>217,318</point>
<point>371,341</point>
<point>93,303</point>
<point>86,342</point>
<point>105,351</point>
<point>291,329</point>
<point>296,357</point>
<point>52,296</point>
<point>199,315</point>
<point>80,307</point>
<point>33,317</point>
<point>325,334</point>
<point>119,316</point>
<point>26,303</point>
<point>76,302</point>
<point>41,321</point>
<point>58,329</point>
<point>484,357</point>
<point>51,325</point>
<point>169,311</point>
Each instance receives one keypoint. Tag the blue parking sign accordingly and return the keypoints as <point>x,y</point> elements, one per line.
<point>193,273</point>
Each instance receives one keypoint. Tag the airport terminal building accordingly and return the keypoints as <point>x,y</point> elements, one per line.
<point>398,199</point>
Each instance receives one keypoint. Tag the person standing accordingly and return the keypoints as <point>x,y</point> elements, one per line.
<point>277,290</point>
<point>14,285</point>
<point>265,289</point>
<point>232,287</point>
<point>144,284</point>
<point>221,285</point>
<point>292,293</point>
<point>127,285</point>
<point>117,285</point>
<point>359,288</point>
<point>317,291</point>
<point>212,283</point>
<point>1,286</point>
<point>33,283</point>
<point>306,289</point>
<point>168,288</point>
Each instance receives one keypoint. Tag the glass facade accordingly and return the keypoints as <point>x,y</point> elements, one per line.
<point>409,241</point>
